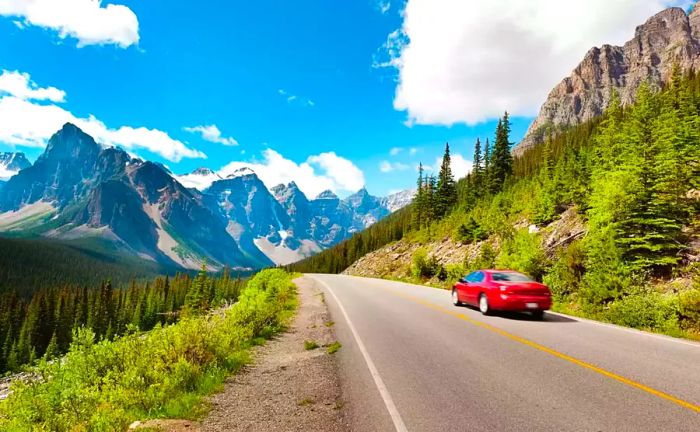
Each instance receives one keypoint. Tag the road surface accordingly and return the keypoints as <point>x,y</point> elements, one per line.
<point>411,361</point>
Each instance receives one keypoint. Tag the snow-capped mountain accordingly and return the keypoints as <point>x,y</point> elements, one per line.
<point>12,163</point>
<point>199,179</point>
<point>398,200</point>
<point>78,189</point>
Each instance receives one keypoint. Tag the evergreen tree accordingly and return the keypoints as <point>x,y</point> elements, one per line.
<point>478,169</point>
<point>446,191</point>
<point>418,205</point>
<point>501,161</point>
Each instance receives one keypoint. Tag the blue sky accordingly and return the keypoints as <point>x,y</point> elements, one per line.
<point>300,78</point>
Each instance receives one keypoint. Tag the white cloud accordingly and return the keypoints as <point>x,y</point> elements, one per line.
<point>386,166</point>
<point>469,60</point>
<point>412,151</point>
<point>28,123</point>
<point>85,20</point>
<point>395,151</point>
<point>460,166</point>
<point>20,85</point>
<point>383,6</point>
<point>292,98</point>
<point>212,133</point>
<point>318,173</point>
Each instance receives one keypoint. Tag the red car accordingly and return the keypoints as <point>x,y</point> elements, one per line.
<point>503,290</point>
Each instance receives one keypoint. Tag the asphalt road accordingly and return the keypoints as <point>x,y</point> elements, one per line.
<point>411,361</point>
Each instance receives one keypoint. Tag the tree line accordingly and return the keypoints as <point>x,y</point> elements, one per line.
<point>43,324</point>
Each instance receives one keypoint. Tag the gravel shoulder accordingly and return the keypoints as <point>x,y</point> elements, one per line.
<point>288,388</point>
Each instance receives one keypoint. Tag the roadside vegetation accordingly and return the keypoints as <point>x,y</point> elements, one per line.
<point>105,384</point>
<point>632,177</point>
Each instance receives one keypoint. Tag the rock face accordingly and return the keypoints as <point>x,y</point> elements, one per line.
<point>11,163</point>
<point>669,37</point>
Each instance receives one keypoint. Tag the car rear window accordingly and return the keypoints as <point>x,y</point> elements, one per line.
<point>510,277</point>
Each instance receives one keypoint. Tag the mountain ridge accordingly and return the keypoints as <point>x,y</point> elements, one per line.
<point>670,37</point>
<point>80,189</point>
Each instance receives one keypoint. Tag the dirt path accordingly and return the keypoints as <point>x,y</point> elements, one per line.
<point>288,388</point>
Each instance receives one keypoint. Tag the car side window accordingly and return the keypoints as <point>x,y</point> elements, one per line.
<point>478,277</point>
<point>470,277</point>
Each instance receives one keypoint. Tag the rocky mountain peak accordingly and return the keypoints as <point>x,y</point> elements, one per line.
<point>203,171</point>
<point>242,172</point>
<point>327,194</point>
<point>71,142</point>
<point>667,38</point>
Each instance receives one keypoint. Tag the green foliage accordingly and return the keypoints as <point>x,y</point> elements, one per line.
<point>334,347</point>
<point>485,260</point>
<point>310,345</point>
<point>523,253</point>
<point>424,266</point>
<point>564,276</point>
<point>42,325</point>
<point>689,309</point>
<point>105,385</point>
<point>648,311</point>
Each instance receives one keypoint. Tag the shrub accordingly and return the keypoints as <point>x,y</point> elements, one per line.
<point>333,348</point>
<point>104,386</point>
<point>523,253</point>
<point>485,260</point>
<point>649,311</point>
<point>689,309</point>
<point>310,345</point>
<point>424,266</point>
<point>564,277</point>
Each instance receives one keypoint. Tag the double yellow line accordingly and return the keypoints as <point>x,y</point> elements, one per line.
<point>547,350</point>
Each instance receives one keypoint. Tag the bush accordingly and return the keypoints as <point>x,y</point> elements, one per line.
<point>485,260</point>
<point>648,311</point>
<point>689,309</point>
<point>523,253</point>
<point>564,277</point>
<point>424,266</point>
<point>104,386</point>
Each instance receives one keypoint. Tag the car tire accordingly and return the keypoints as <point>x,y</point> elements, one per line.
<point>484,307</point>
<point>538,315</point>
<point>455,298</point>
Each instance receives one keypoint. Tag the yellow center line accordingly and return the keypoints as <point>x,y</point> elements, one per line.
<point>550,351</point>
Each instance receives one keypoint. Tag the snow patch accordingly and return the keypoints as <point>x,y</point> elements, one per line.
<point>283,255</point>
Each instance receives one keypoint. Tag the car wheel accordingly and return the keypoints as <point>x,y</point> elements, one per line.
<point>455,298</point>
<point>538,314</point>
<point>484,304</point>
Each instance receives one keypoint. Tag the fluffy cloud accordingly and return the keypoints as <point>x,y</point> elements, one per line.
<point>318,173</point>
<point>469,60</point>
<point>395,151</point>
<point>85,20</point>
<point>20,85</point>
<point>386,166</point>
<point>212,133</point>
<point>460,166</point>
<point>29,123</point>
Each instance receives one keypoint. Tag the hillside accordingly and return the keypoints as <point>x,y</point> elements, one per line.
<point>27,265</point>
<point>607,214</point>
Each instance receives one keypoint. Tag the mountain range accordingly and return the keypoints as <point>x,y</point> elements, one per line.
<point>667,39</point>
<point>78,189</point>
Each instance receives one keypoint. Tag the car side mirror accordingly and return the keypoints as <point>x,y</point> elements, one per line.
<point>462,280</point>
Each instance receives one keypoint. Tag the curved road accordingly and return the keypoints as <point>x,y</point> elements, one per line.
<point>413,362</point>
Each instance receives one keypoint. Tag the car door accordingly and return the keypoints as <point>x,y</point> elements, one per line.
<point>471,288</point>
<point>461,288</point>
<point>477,286</point>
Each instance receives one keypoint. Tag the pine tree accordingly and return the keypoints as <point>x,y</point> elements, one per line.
<point>478,169</point>
<point>501,163</point>
<point>419,200</point>
<point>446,193</point>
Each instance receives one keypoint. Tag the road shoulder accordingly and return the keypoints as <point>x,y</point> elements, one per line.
<point>289,387</point>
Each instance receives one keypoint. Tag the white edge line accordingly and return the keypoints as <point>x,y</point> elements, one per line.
<point>628,329</point>
<point>383,391</point>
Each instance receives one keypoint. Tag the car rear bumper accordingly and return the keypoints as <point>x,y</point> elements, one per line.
<point>512,302</point>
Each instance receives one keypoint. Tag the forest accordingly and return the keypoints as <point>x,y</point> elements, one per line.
<point>633,177</point>
<point>44,324</point>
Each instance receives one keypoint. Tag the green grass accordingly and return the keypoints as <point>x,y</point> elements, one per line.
<point>333,348</point>
<point>165,373</point>
<point>330,324</point>
<point>310,345</point>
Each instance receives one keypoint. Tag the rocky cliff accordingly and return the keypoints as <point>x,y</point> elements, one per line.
<point>668,38</point>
